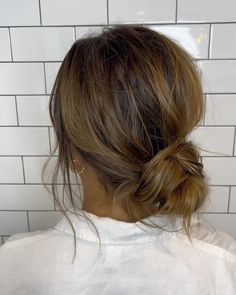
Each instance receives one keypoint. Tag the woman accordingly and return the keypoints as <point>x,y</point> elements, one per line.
<point>122,106</point>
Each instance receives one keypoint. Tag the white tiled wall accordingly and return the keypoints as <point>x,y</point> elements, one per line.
<point>34,37</point>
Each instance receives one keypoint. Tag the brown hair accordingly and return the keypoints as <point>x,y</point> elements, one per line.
<point>126,100</point>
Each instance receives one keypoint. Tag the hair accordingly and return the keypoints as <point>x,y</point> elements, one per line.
<point>126,100</point>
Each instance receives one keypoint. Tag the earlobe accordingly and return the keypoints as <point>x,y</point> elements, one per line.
<point>76,164</point>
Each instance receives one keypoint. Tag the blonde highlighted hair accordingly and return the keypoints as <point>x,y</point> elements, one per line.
<point>126,100</point>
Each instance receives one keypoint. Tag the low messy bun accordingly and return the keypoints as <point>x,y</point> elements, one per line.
<point>174,180</point>
<point>165,173</point>
<point>126,100</point>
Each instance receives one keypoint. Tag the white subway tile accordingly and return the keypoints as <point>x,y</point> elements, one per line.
<point>193,38</point>
<point>19,13</point>
<point>5,49</point>
<point>33,110</point>
<point>24,141</point>
<point>220,109</point>
<point>210,138</point>
<point>223,40</point>
<point>232,204</point>
<point>139,11</point>
<point>225,222</point>
<point>13,222</point>
<point>218,199</point>
<point>8,110</point>
<point>25,197</point>
<point>73,12</point>
<point>33,167</point>
<point>51,70</point>
<point>218,75</point>
<point>206,11</point>
<point>82,31</point>
<point>22,78</point>
<point>43,220</point>
<point>13,171</point>
<point>220,171</point>
<point>50,43</point>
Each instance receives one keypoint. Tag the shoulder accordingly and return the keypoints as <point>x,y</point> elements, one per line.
<point>22,235</point>
<point>213,240</point>
<point>24,257</point>
<point>17,253</point>
<point>17,239</point>
<point>24,240</point>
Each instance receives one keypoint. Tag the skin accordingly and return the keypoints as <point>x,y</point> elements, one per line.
<point>95,199</point>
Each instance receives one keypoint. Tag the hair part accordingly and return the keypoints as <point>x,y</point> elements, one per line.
<point>126,100</point>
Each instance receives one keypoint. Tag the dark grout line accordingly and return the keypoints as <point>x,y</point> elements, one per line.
<point>171,22</point>
<point>220,93</point>
<point>24,94</point>
<point>31,210</point>
<point>229,199</point>
<point>27,156</point>
<point>30,156</point>
<point>41,184</point>
<point>226,213</point>
<point>176,11</point>
<point>205,110</point>
<point>60,61</point>
<point>234,141</point>
<point>209,42</point>
<point>108,12</point>
<point>39,126</point>
<point>17,115</point>
<point>52,210</point>
<point>9,32</point>
<point>206,125</point>
<point>23,168</point>
<point>74,33</point>
<point>45,80</point>
<point>40,12</point>
<point>30,61</point>
<point>219,157</point>
<point>47,155</point>
<point>215,59</point>
<point>48,94</point>
<point>28,220</point>
<point>26,126</point>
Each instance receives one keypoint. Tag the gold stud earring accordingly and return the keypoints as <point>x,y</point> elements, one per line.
<point>76,170</point>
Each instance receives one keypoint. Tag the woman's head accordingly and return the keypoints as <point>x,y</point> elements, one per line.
<point>125,101</point>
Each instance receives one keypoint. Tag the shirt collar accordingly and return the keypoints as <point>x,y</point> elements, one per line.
<point>116,231</point>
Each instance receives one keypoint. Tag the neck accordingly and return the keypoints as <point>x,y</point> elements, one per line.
<point>99,202</point>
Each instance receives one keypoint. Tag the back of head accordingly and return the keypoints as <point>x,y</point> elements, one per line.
<point>126,100</point>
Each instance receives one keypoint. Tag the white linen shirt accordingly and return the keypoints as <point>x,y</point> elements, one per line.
<point>133,260</point>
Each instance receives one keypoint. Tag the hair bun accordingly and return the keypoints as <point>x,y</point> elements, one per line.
<point>173,178</point>
<point>185,152</point>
